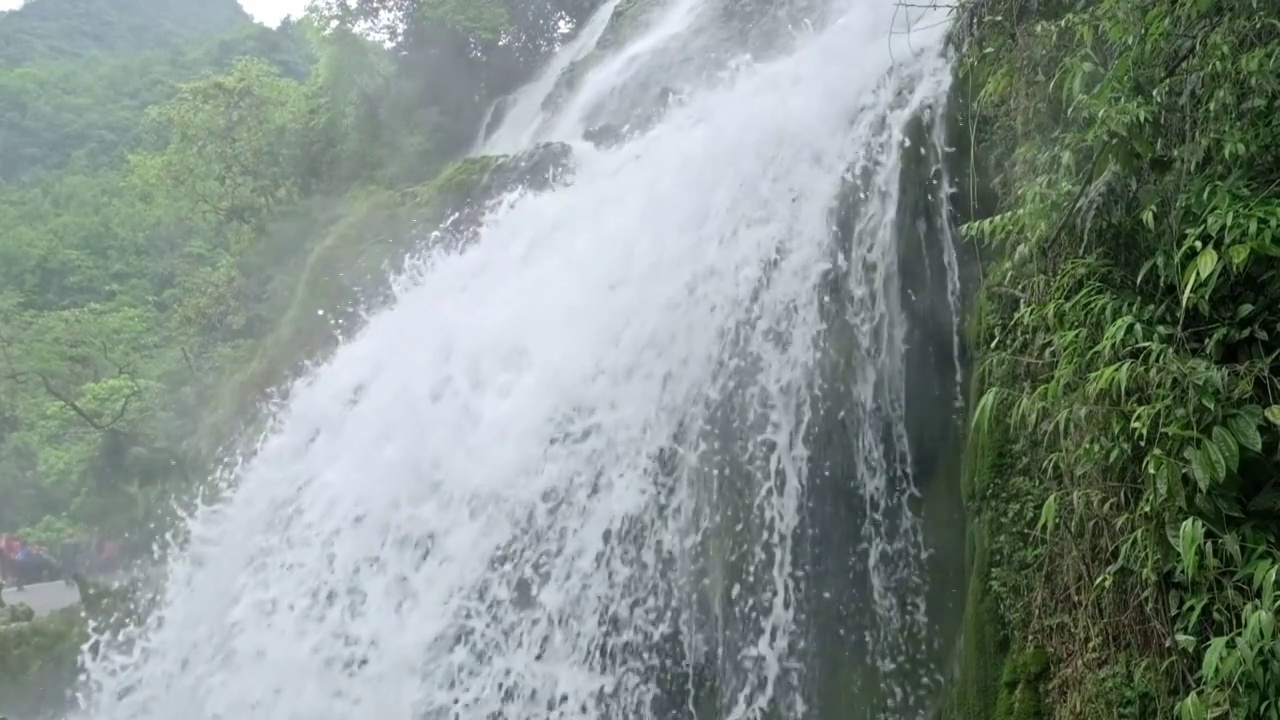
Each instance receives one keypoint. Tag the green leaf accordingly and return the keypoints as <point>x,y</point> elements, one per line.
<point>1201,470</point>
<point>1191,708</point>
<point>1190,540</point>
<point>1238,255</point>
<point>1227,445</point>
<point>1189,277</point>
<point>1273,415</point>
<point>1216,464</point>
<point>1048,515</point>
<point>1212,656</point>
<point>1260,571</point>
<point>1207,262</point>
<point>1246,432</point>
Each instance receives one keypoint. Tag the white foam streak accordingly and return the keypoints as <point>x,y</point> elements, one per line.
<point>521,121</point>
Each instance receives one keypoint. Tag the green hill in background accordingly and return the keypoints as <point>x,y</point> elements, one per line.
<point>52,30</point>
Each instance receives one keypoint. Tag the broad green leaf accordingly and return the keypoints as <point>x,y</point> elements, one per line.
<point>1273,414</point>
<point>1246,432</point>
<point>1227,445</point>
<point>1201,469</point>
<point>1266,624</point>
<point>1238,254</point>
<point>1214,461</point>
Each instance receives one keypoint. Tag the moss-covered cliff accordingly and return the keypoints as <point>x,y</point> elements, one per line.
<point>1121,478</point>
<point>364,238</point>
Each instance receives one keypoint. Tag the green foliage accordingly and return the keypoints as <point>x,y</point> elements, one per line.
<point>229,144</point>
<point>79,29</point>
<point>38,662</point>
<point>39,656</point>
<point>483,19</point>
<point>1019,694</point>
<point>51,532</point>
<point>1129,339</point>
<point>88,115</point>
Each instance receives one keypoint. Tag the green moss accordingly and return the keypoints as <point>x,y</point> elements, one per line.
<point>361,237</point>
<point>976,686</point>
<point>1019,697</point>
<point>455,184</point>
<point>992,682</point>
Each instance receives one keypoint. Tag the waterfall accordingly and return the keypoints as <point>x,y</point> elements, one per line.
<point>523,115</point>
<point>584,467</point>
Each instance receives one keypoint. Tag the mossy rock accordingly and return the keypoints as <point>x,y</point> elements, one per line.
<point>477,180</point>
<point>16,613</point>
<point>39,663</point>
<point>1019,697</point>
<point>976,687</point>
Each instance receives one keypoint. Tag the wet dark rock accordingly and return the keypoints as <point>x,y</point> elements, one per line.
<point>610,134</point>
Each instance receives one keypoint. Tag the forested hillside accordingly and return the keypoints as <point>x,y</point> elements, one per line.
<point>45,31</point>
<point>190,204</point>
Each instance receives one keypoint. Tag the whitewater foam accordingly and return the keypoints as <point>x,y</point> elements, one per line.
<point>461,516</point>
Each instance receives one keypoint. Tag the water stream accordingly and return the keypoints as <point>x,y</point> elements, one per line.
<point>641,451</point>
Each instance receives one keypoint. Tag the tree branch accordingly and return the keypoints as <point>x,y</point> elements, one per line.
<point>16,375</point>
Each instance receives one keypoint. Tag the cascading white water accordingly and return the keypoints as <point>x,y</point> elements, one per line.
<point>525,116</point>
<point>580,436</point>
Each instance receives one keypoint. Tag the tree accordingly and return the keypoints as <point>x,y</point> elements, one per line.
<point>229,144</point>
